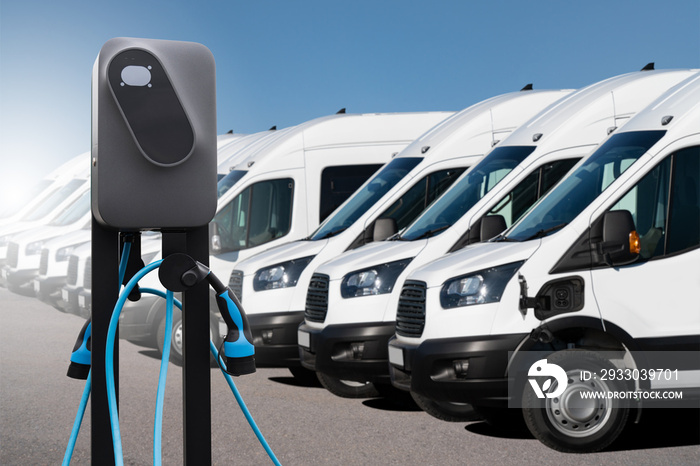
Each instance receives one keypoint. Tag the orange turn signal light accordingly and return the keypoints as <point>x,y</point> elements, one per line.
<point>635,245</point>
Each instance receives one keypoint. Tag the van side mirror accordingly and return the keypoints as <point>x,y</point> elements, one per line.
<point>384,228</point>
<point>620,245</point>
<point>214,238</point>
<point>492,225</point>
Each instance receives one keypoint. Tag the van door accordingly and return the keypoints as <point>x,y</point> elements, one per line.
<point>656,299</point>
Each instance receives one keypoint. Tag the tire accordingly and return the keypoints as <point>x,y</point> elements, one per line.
<point>347,388</point>
<point>446,410</point>
<point>568,424</point>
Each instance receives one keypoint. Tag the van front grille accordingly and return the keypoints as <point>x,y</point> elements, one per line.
<point>410,315</point>
<point>317,298</point>
<point>235,282</point>
<point>12,254</point>
<point>88,274</point>
<point>72,273</point>
<point>44,262</point>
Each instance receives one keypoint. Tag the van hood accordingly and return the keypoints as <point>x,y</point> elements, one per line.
<point>283,253</point>
<point>472,258</point>
<point>380,252</point>
<point>74,237</point>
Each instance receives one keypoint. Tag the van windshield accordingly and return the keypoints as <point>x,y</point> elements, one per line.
<point>34,191</point>
<point>467,191</point>
<point>362,200</point>
<point>73,212</point>
<point>54,200</point>
<point>228,181</point>
<point>585,183</point>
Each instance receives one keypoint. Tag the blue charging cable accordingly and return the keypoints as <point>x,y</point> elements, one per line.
<point>229,380</point>
<point>111,391</point>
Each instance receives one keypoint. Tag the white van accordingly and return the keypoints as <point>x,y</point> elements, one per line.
<point>69,186</point>
<point>45,188</point>
<point>608,261</point>
<point>24,249</point>
<point>352,299</point>
<point>286,184</point>
<point>273,284</point>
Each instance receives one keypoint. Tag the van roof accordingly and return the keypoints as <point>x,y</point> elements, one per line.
<point>586,116</point>
<point>230,153</point>
<point>342,130</point>
<point>482,124</point>
<point>677,110</point>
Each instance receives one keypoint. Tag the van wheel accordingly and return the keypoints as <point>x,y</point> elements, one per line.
<point>446,410</point>
<point>569,423</point>
<point>347,388</point>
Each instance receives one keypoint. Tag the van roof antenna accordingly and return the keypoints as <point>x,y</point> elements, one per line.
<point>274,128</point>
<point>528,87</point>
<point>229,131</point>
<point>648,67</point>
<point>341,111</point>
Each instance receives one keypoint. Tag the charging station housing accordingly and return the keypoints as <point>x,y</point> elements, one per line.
<point>153,135</point>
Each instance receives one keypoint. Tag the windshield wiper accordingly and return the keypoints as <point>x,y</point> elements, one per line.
<point>545,232</point>
<point>429,233</point>
<point>334,233</point>
<point>501,237</point>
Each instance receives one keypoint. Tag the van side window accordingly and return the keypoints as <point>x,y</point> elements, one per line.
<point>684,215</point>
<point>421,195</point>
<point>259,214</point>
<point>340,182</point>
<point>664,207</point>
<point>647,201</point>
<point>530,189</point>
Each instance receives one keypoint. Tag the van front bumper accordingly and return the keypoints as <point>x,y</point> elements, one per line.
<point>462,370</point>
<point>351,352</point>
<point>275,338</point>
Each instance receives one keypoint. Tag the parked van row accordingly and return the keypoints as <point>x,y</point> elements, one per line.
<point>607,261</point>
<point>434,252</point>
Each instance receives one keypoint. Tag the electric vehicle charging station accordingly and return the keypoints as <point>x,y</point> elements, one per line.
<point>153,168</point>
<point>348,324</point>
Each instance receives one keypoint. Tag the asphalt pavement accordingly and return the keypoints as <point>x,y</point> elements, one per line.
<point>304,424</point>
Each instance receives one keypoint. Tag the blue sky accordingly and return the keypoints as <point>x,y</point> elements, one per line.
<point>284,62</point>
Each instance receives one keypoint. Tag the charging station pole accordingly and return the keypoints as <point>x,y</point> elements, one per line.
<point>105,292</point>
<point>153,168</point>
<point>196,372</point>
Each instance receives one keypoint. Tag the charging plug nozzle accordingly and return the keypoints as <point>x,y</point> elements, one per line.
<point>179,272</point>
<point>79,367</point>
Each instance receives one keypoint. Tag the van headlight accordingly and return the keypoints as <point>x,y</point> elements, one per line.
<point>373,280</point>
<point>282,275</point>
<point>34,248</point>
<point>480,287</point>
<point>63,254</point>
